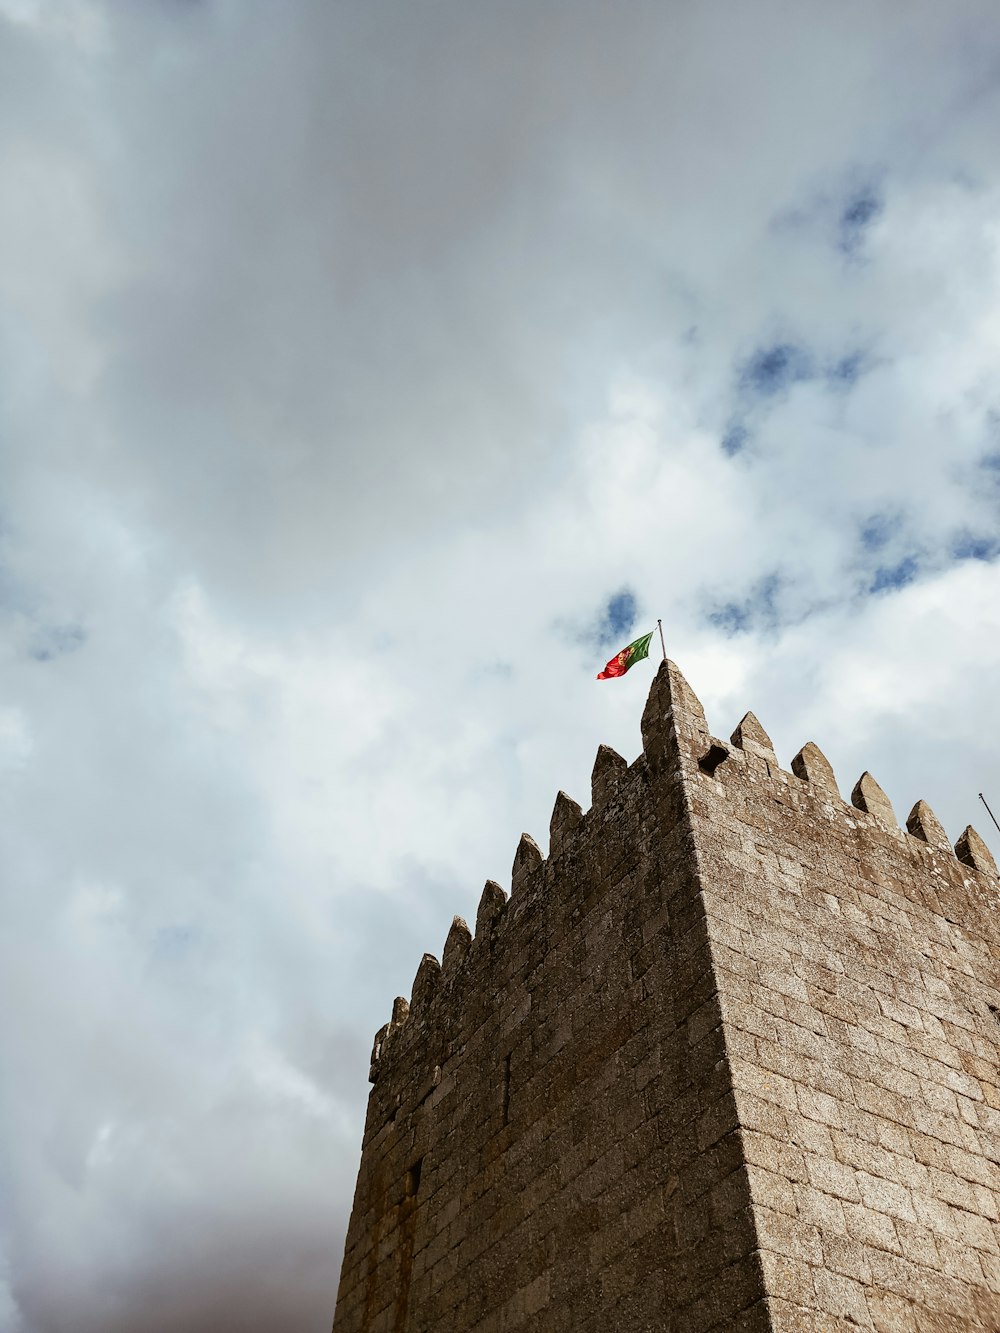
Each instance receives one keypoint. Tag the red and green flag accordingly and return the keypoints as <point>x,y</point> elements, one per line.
<point>619,664</point>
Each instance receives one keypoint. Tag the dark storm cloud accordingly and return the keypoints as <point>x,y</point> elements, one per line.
<point>329,265</point>
<point>329,276</point>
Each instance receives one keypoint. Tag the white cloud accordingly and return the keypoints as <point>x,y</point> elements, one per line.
<point>15,739</point>
<point>79,20</point>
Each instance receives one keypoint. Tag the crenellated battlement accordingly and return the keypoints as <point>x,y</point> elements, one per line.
<point>810,766</point>
<point>676,728</point>
<point>726,1059</point>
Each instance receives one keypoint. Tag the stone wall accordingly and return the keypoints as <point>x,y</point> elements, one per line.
<point>857,970</point>
<point>552,1079</point>
<point>725,1060</point>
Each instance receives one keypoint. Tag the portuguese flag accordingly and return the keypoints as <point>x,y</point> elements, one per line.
<point>619,664</point>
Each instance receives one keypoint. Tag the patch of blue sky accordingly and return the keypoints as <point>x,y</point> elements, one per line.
<point>617,618</point>
<point>733,618</point>
<point>839,215</point>
<point>612,625</point>
<point>757,611</point>
<point>863,206</point>
<point>773,370</point>
<point>56,641</point>
<point>174,942</point>
<point>888,578</point>
<point>876,531</point>
<point>845,372</point>
<point>973,546</point>
<point>735,440</point>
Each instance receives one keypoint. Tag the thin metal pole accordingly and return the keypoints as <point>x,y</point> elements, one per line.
<point>989,811</point>
<point>664,646</point>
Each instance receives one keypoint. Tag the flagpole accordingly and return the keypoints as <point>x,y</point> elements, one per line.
<point>659,624</point>
<point>989,811</point>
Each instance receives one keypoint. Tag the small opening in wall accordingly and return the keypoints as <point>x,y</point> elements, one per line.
<point>994,1011</point>
<point>717,754</point>
<point>413,1178</point>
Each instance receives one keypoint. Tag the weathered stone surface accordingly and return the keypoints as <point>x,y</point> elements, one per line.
<point>730,1063</point>
<point>566,814</point>
<point>716,754</point>
<point>672,710</point>
<point>869,796</point>
<point>750,735</point>
<point>924,824</point>
<point>527,859</point>
<point>609,769</point>
<point>456,946</point>
<point>376,1054</point>
<point>972,851</point>
<point>425,983</point>
<point>812,765</point>
<point>491,904</point>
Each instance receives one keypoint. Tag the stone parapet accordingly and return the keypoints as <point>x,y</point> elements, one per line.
<point>725,1059</point>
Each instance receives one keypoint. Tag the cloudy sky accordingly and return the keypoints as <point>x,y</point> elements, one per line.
<point>369,374</point>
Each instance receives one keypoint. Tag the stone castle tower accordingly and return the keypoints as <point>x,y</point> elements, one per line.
<point>728,1059</point>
